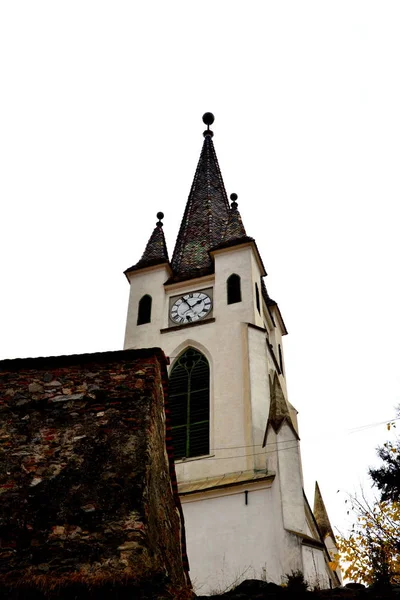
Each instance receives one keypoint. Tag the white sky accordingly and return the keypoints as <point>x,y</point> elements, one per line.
<point>100,127</point>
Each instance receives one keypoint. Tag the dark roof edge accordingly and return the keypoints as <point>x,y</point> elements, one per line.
<point>307,539</point>
<point>48,362</point>
<point>145,264</point>
<point>230,243</point>
<point>247,240</point>
<point>188,277</point>
<point>278,310</point>
<point>268,477</point>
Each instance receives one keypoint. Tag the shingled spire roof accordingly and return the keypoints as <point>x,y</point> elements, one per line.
<point>235,231</point>
<point>156,250</point>
<point>205,217</point>
<point>321,514</point>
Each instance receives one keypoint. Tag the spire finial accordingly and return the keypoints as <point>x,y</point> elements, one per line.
<point>234,204</point>
<point>208,119</point>
<point>160,215</point>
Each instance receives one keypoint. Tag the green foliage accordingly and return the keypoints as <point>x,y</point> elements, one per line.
<point>295,582</point>
<point>387,477</point>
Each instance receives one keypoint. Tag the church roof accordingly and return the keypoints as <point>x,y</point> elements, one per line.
<point>321,514</point>
<point>206,215</point>
<point>156,250</point>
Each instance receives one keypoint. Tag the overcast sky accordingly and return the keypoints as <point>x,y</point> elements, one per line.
<point>100,128</point>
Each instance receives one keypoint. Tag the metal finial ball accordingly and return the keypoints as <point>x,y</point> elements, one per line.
<point>233,197</point>
<point>208,118</point>
<point>160,215</point>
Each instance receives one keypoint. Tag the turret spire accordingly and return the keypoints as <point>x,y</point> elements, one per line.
<point>206,214</point>
<point>235,230</point>
<point>156,249</point>
<point>321,515</point>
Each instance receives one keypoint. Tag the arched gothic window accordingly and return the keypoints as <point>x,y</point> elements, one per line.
<point>233,290</point>
<point>258,299</point>
<point>189,401</point>
<point>144,310</point>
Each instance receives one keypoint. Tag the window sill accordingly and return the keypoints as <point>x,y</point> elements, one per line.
<point>182,461</point>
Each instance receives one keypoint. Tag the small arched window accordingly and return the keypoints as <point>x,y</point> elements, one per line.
<point>280,358</point>
<point>234,293</point>
<point>144,310</point>
<point>258,299</point>
<point>189,402</point>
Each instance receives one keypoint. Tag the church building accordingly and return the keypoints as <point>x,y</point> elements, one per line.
<point>235,435</point>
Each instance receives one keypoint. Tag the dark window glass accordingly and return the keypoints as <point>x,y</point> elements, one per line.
<point>258,299</point>
<point>189,400</point>
<point>144,311</point>
<point>233,289</point>
<point>280,358</point>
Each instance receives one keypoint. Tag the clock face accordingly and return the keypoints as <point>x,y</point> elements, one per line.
<point>190,308</point>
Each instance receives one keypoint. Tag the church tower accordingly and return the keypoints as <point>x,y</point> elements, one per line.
<point>235,434</point>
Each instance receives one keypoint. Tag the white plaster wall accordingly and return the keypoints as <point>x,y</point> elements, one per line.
<point>228,427</point>
<point>259,389</point>
<point>315,568</point>
<point>229,541</point>
<point>290,477</point>
<point>288,548</point>
<point>237,260</point>
<point>149,281</point>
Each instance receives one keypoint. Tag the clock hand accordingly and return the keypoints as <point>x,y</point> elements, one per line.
<point>194,303</point>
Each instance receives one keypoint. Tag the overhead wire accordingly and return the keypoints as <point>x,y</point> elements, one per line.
<point>243,455</point>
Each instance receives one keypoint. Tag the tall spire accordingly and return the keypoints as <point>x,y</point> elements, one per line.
<point>205,217</point>
<point>321,515</point>
<point>156,249</point>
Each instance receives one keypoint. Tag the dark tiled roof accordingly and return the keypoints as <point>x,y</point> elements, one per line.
<point>155,252</point>
<point>234,228</point>
<point>235,232</point>
<point>268,301</point>
<point>205,219</point>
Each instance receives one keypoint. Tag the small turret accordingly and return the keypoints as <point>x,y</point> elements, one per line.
<point>156,249</point>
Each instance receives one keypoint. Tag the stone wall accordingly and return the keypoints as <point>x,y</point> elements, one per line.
<point>85,478</point>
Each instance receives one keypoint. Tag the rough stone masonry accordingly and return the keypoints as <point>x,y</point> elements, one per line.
<point>88,494</point>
